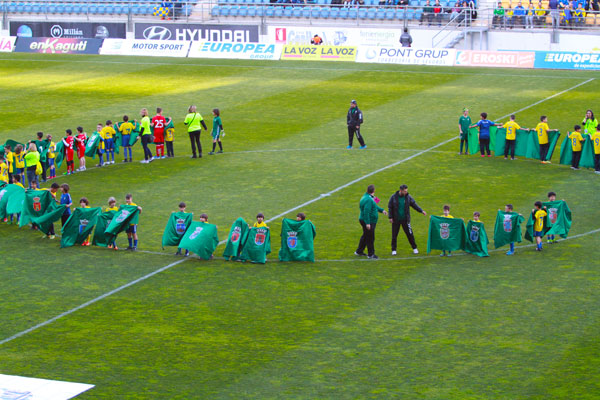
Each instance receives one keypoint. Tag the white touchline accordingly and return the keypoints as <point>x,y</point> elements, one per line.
<point>143,278</point>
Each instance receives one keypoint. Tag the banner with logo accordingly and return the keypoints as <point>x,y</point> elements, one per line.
<point>155,48</point>
<point>246,51</point>
<point>506,59</point>
<point>338,36</point>
<point>405,55</point>
<point>74,30</point>
<point>322,53</point>
<point>7,44</point>
<point>58,45</point>
<point>566,60</point>
<point>197,32</point>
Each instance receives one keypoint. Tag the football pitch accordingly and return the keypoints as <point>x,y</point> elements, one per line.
<point>150,325</point>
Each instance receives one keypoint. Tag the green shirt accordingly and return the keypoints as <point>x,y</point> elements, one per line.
<point>369,210</point>
<point>401,205</point>
<point>464,123</point>
<point>192,120</point>
<point>145,123</point>
<point>499,12</point>
<point>216,125</point>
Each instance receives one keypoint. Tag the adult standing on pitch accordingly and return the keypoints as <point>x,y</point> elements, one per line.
<point>193,120</point>
<point>146,134</point>
<point>399,215</point>
<point>368,221</point>
<point>354,119</point>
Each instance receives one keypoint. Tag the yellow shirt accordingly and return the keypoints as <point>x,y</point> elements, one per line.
<point>19,160</point>
<point>261,225</point>
<point>107,132</point>
<point>3,172</point>
<point>447,216</point>
<point>539,220</point>
<point>542,132</point>
<point>596,142</point>
<point>511,130</point>
<point>576,140</point>
<point>126,128</point>
<point>112,208</point>
<point>51,148</point>
<point>169,134</point>
<point>19,184</point>
<point>10,160</point>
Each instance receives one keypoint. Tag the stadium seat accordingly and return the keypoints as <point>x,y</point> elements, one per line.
<point>352,13</point>
<point>243,11</point>
<point>362,13</point>
<point>252,11</point>
<point>315,12</point>
<point>297,12</point>
<point>234,11</point>
<point>288,11</point>
<point>325,12</point>
<point>334,13</point>
<point>380,14</point>
<point>306,12</point>
<point>269,11</point>
<point>344,13</point>
<point>215,11</point>
<point>390,14</point>
<point>224,10</point>
<point>278,12</point>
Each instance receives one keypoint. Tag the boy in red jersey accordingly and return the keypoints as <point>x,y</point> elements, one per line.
<point>69,153</point>
<point>80,140</point>
<point>158,123</point>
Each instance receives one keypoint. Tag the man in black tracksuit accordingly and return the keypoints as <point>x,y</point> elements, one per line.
<point>354,119</point>
<point>399,215</point>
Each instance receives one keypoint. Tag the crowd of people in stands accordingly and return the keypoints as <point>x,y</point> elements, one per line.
<point>434,14</point>
<point>558,13</point>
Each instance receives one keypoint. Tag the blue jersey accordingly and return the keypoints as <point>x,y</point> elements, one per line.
<point>484,128</point>
<point>65,198</point>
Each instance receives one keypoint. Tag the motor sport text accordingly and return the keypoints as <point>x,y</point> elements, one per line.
<point>156,46</point>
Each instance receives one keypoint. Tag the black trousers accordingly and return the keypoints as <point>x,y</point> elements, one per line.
<point>597,162</point>
<point>509,146</point>
<point>576,158</point>
<point>484,145</point>
<point>407,230</point>
<point>64,218</point>
<point>170,149</point>
<point>353,130</point>
<point>544,151</point>
<point>367,239</point>
<point>145,143</point>
<point>195,141</point>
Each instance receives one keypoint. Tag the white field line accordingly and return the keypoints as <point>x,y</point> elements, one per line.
<point>151,274</point>
<point>293,68</point>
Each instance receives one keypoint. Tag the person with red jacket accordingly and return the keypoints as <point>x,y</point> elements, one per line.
<point>158,123</point>
<point>69,152</point>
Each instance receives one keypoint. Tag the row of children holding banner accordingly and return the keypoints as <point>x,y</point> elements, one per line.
<point>581,148</point>
<point>449,234</point>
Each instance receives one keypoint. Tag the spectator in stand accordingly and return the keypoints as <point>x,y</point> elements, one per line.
<point>519,15</point>
<point>472,10</point>
<point>529,16</point>
<point>554,14</point>
<point>498,19</point>
<point>566,17</point>
<point>316,40</point>
<point>438,10</point>
<point>406,39</point>
<point>427,13</point>
<point>402,4</point>
<point>540,15</point>
<point>509,16</point>
<point>455,14</point>
<point>579,15</point>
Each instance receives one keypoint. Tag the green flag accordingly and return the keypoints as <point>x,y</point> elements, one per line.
<point>257,245</point>
<point>92,145</point>
<point>237,237</point>
<point>59,151</point>
<point>533,147</point>
<point>200,238</point>
<point>297,238</point>
<point>507,228</point>
<point>127,215</point>
<point>100,237</point>
<point>477,240</point>
<point>474,139</point>
<point>529,227</point>
<point>446,234</point>
<point>176,227</point>
<point>587,152</point>
<point>117,138</point>
<point>559,218</point>
<point>34,205</point>
<point>79,226</point>
<point>7,193</point>
<point>521,142</point>
<point>52,214</point>
<point>135,133</point>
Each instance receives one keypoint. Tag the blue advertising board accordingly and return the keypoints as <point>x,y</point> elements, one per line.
<point>567,60</point>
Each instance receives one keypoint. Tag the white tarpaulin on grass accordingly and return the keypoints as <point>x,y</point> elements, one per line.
<point>22,388</point>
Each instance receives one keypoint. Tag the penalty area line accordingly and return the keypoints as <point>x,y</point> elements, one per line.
<point>339,188</point>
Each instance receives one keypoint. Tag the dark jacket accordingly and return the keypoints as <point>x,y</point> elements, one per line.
<point>354,117</point>
<point>405,39</point>
<point>408,202</point>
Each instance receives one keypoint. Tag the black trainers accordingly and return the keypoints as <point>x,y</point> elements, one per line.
<point>359,254</point>
<point>212,153</point>
<point>373,257</point>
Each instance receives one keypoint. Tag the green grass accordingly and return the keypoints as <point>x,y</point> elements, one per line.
<point>406,327</point>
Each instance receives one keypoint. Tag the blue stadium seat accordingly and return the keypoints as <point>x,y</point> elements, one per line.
<point>234,11</point>
<point>315,12</point>
<point>371,13</point>
<point>352,14</point>
<point>362,13</point>
<point>335,12</point>
<point>390,14</point>
<point>297,12</point>
<point>215,11</point>
<point>380,14</point>
<point>325,12</point>
<point>252,11</point>
<point>243,11</point>
<point>28,8</point>
<point>344,13</point>
<point>288,11</point>
<point>269,11</point>
<point>224,10</point>
<point>260,11</point>
<point>306,12</point>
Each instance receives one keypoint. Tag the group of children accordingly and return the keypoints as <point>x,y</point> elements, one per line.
<point>538,213</point>
<point>577,137</point>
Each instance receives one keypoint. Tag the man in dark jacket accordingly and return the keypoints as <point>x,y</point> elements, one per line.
<point>368,221</point>
<point>406,39</point>
<point>354,119</point>
<point>399,215</point>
